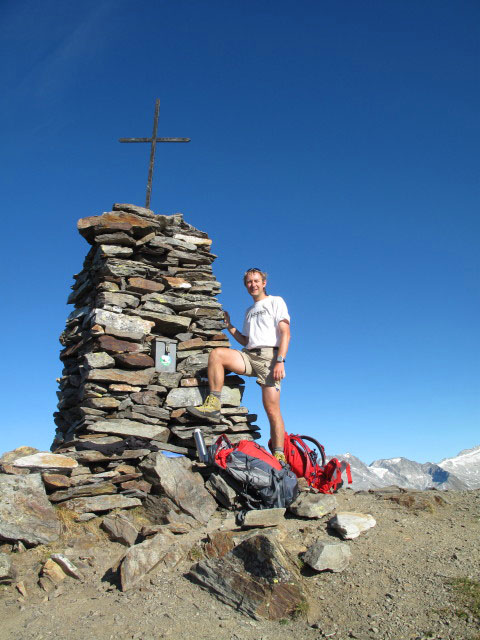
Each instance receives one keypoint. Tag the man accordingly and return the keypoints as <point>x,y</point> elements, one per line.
<point>265,336</point>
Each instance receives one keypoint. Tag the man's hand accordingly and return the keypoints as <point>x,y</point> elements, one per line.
<point>279,372</point>
<point>234,332</point>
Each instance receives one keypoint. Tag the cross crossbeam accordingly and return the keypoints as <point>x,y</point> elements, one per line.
<point>153,142</point>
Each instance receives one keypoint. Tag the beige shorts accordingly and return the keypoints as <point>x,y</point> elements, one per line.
<point>260,363</point>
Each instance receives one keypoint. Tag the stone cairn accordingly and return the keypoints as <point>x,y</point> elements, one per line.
<point>146,289</point>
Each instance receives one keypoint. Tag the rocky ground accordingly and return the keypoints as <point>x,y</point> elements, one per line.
<point>399,583</point>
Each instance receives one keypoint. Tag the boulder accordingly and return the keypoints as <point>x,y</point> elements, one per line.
<point>313,505</point>
<point>152,308</point>
<point>84,490</point>
<point>25,511</point>
<point>114,345</point>
<point>120,325</point>
<point>191,258</point>
<point>194,365</point>
<point>194,396</point>
<point>138,485</point>
<point>56,481</point>
<point>46,460</point>
<point>134,377</point>
<point>176,283</point>
<point>167,324</point>
<point>141,211</point>
<point>174,527</point>
<point>143,557</point>
<point>193,239</point>
<point>117,238</point>
<point>101,503</point>
<point>163,511</point>
<point>184,397</point>
<point>112,221</point>
<point>116,268</point>
<point>219,543</point>
<point>125,468</point>
<point>350,525</point>
<point>106,402</point>
<point>175,478</point>
<point>255,578</point>
<point>129,428</point>
<point>142,285</point>
<point>112,250</point>
<point>123,388</point>
<point>117,299</point>
<point>146,397</point>
<point>264,518</point>
<point>168,380</point>
<point>223,493</point>
<point>67,565</point>
<point>231,397</point>
<point>9,468</point>
<point>134,360</point>
<point>99,360</point>
<point>326,555</point>
<point>20,452</point>
<point>85,517</point>
<point>53,571</point>
<point>170,243</point>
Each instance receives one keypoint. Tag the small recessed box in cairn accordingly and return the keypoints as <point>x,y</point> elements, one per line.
<point>165,356</point>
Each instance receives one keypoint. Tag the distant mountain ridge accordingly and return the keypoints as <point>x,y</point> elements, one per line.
<point>465,466</point>
<point>459,473</point>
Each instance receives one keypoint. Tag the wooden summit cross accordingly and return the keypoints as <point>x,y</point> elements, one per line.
<point>153,140</point>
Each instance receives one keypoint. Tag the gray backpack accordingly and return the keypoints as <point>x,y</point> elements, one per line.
<point>259,479</point>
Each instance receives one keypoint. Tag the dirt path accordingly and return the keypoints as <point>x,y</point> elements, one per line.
<point>397,586</point>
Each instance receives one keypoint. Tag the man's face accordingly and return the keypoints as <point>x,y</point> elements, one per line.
<point>255,284</point>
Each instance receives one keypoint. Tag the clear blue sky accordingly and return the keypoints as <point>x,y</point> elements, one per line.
<point>334,144</point>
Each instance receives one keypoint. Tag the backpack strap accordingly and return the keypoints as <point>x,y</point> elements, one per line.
<point>345,466</point>
<point>240,517</point>
<point>218,451</point>
<point>297,442</point>
<point>319,446</point>
<point>332,480</point>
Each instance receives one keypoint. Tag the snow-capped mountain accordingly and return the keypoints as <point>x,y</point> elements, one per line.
<point>466,466</point>
<point>413,475</point>
<point>363,477</point>
<point>458,473</point>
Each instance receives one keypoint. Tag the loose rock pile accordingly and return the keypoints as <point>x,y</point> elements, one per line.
<point>178,511</point>
<point>146,285</point>
<point>179,504</point>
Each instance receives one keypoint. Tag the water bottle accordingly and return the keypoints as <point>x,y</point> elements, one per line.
<point>200,444</point>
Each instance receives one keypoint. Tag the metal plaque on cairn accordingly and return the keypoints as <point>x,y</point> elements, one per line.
<point>165,356</point>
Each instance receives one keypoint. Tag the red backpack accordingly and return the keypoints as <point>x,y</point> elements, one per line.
<point>327,477</point>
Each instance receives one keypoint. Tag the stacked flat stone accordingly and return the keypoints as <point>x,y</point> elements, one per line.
<point>146,276</point>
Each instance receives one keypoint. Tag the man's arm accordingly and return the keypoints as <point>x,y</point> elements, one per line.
<point>279,369</point>
<point>235,333</point>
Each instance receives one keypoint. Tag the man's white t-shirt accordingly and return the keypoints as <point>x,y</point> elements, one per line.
<point>261,322</point>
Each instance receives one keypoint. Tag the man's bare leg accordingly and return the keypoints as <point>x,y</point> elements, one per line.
<point>271,403</point>
<point>219,360</point>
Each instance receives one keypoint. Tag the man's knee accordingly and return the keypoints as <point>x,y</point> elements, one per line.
<point>229,359</point>
<point>217,355</point>
<point>271,404</point>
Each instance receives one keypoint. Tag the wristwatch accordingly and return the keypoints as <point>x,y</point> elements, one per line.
<point>280,359</point>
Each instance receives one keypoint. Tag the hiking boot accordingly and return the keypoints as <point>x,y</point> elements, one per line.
<point>210,409</point>
<point>280,456</point>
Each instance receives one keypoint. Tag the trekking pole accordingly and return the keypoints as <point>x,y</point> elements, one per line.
<point>200,444</point>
